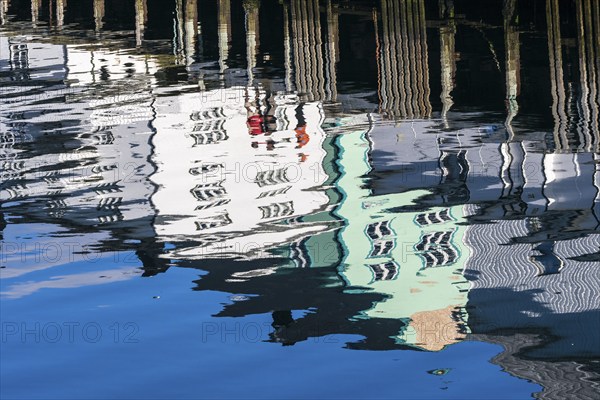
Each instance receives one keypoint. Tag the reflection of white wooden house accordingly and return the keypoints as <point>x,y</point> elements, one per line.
<point>119,128</point>
<point>27,62</point>
<point>100,173</point>
<point>231,192</point>
<point>93,167</point>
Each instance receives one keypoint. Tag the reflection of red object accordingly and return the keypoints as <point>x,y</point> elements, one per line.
<point>255,125</point>
<point>301,136</point>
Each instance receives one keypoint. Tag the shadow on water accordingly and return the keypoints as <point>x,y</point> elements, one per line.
<point>417,173</point>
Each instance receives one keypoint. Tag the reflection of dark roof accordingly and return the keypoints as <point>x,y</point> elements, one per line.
<point>319,291</point>
<point>569,336</point>
<point>560,379</point>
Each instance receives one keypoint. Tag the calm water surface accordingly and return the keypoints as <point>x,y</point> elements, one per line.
<point>300,199</point>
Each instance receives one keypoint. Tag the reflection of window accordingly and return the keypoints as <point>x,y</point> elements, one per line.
<point>437,217</point>
<point>106,188</point>
<point>100,134</point>
<point>433,239</point>
<point>103,138</point>
<point>382,248</point>
<point>205,169</point>
<point>384,271</point>
<point>107,219</point>
<point>377,230</point>
<point>213,113</point>
<point>20,57</point>
<point>276,210</point>
<point>436,249</point>
<point>209,126</point>
<point>213,204</point>
<point>7,140</point>
<point>272,193</point>
<point>271,177</point>
<point>208,137</point>
<point>109,203</point>
<point>213,222</point>
<point>98,169</point>
<point>208,191</point>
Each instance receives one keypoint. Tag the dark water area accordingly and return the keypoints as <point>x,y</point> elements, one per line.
<point>300,199</point>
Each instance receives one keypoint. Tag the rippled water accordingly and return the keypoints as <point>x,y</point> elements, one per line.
<point>300,199</point>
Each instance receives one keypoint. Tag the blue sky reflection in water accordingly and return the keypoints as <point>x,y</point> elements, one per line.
<point>299,199</point>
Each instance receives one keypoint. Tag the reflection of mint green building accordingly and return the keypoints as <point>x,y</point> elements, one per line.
<point>417,258</point>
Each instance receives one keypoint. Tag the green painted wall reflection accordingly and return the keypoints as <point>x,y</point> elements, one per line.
<point>416,258</point>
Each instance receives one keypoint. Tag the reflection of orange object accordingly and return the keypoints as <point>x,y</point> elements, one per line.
<point>255,125</point>
<point>436,329</point>
<point>301,136</point>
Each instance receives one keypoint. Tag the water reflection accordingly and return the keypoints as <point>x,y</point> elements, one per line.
<point>243,164</point>
<point>338,204</point>
<point>403,65</point>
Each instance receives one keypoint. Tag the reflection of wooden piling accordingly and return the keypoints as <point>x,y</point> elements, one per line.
<point>141,17</point>
<point>3,11</point>
<point>224,32</point>
<point>404,63</point>
<point>513,62</point>
<point>287,57</point>
<point>307,45</point>
<point>35,11</point>
<point>178,40</point>
<point>377,54</point>
<point>99,14</point>
<point>252,36</point>
<point>308,50</point>
<point>447,55</point>
<point>190,29</point>
<point>588,35</point>
<point>61,6</point>
<point>332,49</point>
<point>556,75</point>
<point>587,14</point>
<point>597,184</point>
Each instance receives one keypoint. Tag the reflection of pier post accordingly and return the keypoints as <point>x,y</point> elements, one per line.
<point>332,49</point>
<point>513,61</point>
<point>99,14</point>
<point>511,172</point>
<point>588,26</point>
<point>447,55</point>
<point>224,33</point>
<point>35,11</point>
<point>61,5</point>
<point>597,184</point>
<point>3,11</point>
<point>141,17</point>
<point>308,50</point>
<point>513,153</point>
<point>178,40</point>
<point>556,75</point>
<point>190,29</point>
<point>252,38</point>
<point>287,48</point>
<point>404,63</point>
